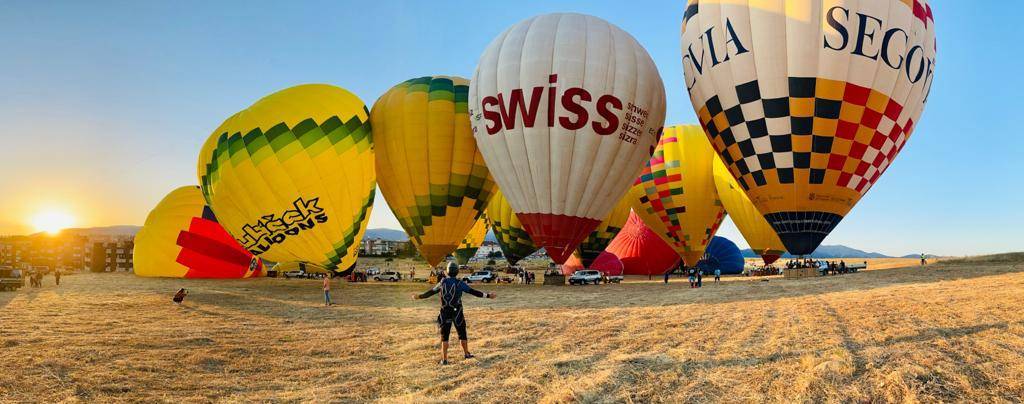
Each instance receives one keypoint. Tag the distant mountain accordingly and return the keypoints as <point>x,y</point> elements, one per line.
<point>830,251</point>
<point>386,234</point>
<point>122,230</point>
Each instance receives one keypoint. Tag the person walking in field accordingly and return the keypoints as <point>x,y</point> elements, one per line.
<point>451,290</point>
<point>56,276</point>
<point>179,296</point>
<point>327,290</point>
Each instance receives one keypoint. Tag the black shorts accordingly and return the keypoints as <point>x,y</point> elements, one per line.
<point>449,317</point>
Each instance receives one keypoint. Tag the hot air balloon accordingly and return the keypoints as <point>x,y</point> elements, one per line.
<point>641,251</point>
<point>182,239</point>
<point>675,194</point>
<point>431,172</point>
<point>595,243</point>
<point>467,248</point>
<point>515,243</point>
<point>722,254</point>
<point>755,229</point>
<point>808,102</point>
<point>566,109</point>
<point>292,177</point>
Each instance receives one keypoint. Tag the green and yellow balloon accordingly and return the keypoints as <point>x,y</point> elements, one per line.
<point>292,178</point>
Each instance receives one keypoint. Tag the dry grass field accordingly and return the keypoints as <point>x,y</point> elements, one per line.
<point>950,331</point>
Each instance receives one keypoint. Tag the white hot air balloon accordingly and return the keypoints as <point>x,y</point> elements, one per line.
<point>566,109</point>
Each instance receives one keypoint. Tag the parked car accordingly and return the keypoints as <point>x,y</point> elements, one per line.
<point>295,273</point>
<point>613,278</point>
<point>388,276</point>
<point>585,276</point>
<point>11,279</point>
<point>481,276</point>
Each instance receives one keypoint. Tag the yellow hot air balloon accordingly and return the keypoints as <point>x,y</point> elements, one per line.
<point>808,102</point>
<point>675,193</point>
<point>467,248</point>
<point>755,229</point>
<point>182,239</point>
<point>292,176</point>
<point>513,239</point>
<point>431,172</point>
<point>595,243</point>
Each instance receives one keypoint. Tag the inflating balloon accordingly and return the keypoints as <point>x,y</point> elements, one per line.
<point>428,165</point>
<point>595,243</point>
<point>722,254</point>
<point>292,177</point>
<point>808,102</point>
<point>467,248</point>
<point>755,229</point>
<point>566,109</point>
<point>641,251</point>
<point>182,239</point>
<point>512,238</point>
<point>675,194</point>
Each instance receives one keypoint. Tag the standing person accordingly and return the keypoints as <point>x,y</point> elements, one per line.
<point>700,277</point>
<point>327,290</point>
<point>923,259</point>
<point>667,274</point>
<point>693,278</point>
<point>718,274</point>
<point>180,296</point>
<point>56,276</point>
<point>451,290</point>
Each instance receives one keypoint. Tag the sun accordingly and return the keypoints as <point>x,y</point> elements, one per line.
<point>52,221</point>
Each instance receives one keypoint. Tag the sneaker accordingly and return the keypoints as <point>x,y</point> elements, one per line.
<point>444,362</point>
<point>469,356</point>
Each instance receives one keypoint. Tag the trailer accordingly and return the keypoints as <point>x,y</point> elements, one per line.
<point>11,279</point>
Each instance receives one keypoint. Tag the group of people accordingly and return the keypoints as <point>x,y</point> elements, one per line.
<point>826,267</point>
<point>836,268</point>
<point>802,263</point>
<point>526,277</point>
<point>696,276</point>
<point>35,278</point>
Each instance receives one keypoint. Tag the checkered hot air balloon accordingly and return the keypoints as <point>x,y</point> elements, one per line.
<point>566,109</point>
<point>808,102</point>
<point>292,177</point>
<point>675,193</point>
<point>430,170</point>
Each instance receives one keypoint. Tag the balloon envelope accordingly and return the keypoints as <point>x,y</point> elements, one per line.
<point>512,238</point>
<point>595,243</point>
<point>467,248</point>
<point>429,168</point>
<point>722,254</point>
<point>755,229</point>
<point>675,194</point>
<point>808,102</point>
<point>292,177</point>
<point>182,239</point>
<point>641,251</point>
<point>566,109</point>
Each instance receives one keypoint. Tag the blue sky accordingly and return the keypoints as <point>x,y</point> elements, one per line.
<point>105,104</point>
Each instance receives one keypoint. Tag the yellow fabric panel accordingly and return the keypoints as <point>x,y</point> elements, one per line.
<point>292,176</point>
<point>751,223</point>
<point>431,172</point>
<point>155,249</point>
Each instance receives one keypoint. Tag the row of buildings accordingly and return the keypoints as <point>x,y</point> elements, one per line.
<point>105,253</point>
<point>67,252</point>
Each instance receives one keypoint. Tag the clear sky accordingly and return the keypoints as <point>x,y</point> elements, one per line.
<point>105,104</point>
